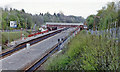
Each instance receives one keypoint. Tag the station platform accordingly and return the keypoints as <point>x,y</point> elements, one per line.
<point>26,56</point>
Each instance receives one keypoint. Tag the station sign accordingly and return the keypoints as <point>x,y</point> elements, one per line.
<point>13,24</point>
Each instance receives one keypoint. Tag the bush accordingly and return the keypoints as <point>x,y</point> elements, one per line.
<point>87,52</point>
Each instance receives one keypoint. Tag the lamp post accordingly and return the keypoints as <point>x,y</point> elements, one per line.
<point>7,27</point>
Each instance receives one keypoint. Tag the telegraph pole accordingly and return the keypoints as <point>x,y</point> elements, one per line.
<point>94,24</point>
<point>7,27</point>
<point>94,28</point>
<point>26,25</point>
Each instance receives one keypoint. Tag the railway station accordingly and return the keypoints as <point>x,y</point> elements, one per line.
<point>35,47</point>
<point>59,35</point>
<point>23,56</point>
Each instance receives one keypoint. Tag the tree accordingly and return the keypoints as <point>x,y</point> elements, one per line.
<point>21,16</point>
<point>23,10</point>
<point>90,21</point>
<point>108,16</point>
<point>118,14</point>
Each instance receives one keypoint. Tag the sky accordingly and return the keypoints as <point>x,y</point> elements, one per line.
<point>82,8</point>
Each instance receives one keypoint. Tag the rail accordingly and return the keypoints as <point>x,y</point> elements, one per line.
<point>39,62</point>
<point>31,42</point>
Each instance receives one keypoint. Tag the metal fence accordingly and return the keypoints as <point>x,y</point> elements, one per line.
<point>15,30</point>
<point>110,33</point>
<point>11,30</point>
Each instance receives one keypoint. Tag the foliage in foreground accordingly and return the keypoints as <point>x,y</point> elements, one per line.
<point>87,52</point>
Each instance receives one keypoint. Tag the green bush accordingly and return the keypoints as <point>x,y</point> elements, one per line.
<point>87,52</point>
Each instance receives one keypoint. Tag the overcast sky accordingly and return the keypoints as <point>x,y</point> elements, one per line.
<point>68,7</point>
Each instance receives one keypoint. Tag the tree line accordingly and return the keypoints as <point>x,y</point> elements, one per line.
<point>27,20</point>
<point>106,18</point>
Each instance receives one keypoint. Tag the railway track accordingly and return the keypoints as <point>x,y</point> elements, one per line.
<point>31,42</point>
<point>39,62</point>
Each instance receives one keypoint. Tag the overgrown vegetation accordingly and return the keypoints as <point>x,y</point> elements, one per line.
<point>87,52</point>
<point>106,18</point>
<point>92,52</point>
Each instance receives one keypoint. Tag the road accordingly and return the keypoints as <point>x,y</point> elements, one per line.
<point>26,56</point>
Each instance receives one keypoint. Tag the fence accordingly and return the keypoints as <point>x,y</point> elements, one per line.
<point>15,30</point>
<point>37,33</point>
<point>111,33</point>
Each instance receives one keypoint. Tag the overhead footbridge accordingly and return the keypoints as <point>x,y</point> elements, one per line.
<point>51,25</point>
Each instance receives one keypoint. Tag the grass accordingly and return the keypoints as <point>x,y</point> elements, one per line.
<point>11,36</point>
<point>86,52</point>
